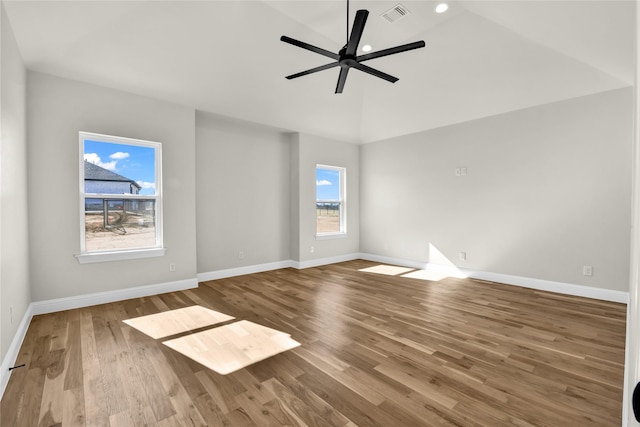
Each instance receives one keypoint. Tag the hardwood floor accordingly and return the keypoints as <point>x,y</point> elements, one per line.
<point>377,350</point>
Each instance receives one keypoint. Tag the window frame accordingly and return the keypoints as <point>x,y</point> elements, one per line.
<point>85,256</point>
<point>342,201</point>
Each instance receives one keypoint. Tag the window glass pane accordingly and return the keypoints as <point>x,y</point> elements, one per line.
<point>119,224</point>
<point>328,200</point>
<point>327,184</point>
<point>327,217</point>
<point>120,194</point>
<point>111,168</point>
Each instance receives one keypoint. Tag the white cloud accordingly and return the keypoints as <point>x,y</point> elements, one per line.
<point>92,158</point>
<point>323,182</point>
<point>95,159</point>
<point>146,185</point>
<point>119,155</point>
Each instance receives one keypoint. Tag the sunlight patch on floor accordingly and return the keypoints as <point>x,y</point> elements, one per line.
<point>433,273</point>
<point>438,267</point>
<point>231,347</point>
<point>223,349</point>
<point>177,321</point>
<point>433,276</point>
<point>387,270</point>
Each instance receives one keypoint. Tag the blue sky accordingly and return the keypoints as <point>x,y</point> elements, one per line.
<point>132,161</point>
<point>327,184</point>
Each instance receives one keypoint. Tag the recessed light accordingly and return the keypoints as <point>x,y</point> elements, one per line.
<point>442,8</point>
<point>366,48</point>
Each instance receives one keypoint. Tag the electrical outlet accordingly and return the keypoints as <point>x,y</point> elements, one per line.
<point>312,249</point>
<point>241,255</point>
<point>172,266</point>
<point>587,270</point>
<point>458,171</point>
<point>462,256</point>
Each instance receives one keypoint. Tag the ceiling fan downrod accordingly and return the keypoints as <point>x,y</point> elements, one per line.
<point>347,42</point>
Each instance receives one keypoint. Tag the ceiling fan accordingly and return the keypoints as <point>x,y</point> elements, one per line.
<point>346,58</point>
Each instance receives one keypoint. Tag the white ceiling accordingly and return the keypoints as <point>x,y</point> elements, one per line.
<point>482,57</point>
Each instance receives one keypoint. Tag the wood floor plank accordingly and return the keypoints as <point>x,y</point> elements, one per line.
<point>143,350</point>
<point>210,411</point>
<point>52,403</point>
<point>73,348</point>
<point>218,393</point>
<point>73,413</point>
<point>294,405</point>
<point>378,349</point>
<point>240,417</point>
<point>96,412</point>
<point>308,397</point>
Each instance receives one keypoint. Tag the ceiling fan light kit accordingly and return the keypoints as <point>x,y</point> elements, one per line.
<point>347,58</point>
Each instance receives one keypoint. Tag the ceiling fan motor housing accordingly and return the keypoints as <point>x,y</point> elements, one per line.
<point>346,60</point>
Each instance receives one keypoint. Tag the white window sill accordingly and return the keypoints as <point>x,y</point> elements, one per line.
<point>330,236</point>
<point>89,258</point>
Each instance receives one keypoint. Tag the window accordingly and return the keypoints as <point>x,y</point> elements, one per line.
<point>120,198</point>
<point>331,215</point>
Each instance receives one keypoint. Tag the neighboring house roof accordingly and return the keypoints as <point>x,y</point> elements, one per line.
<point>96,173</point>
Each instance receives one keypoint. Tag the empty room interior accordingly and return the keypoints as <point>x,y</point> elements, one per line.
<point>319,213</point>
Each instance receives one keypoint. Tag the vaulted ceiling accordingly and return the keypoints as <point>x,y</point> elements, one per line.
<point>481,58</point>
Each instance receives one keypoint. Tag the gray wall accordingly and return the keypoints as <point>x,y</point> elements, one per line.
<point>242,187</point>
<point>547,191</point>
<point>14,233</point>
<point>57,110</point>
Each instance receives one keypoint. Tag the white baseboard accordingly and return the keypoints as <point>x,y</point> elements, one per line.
<point>507,279</point>
<point>11,356</point>
<point>241,271</point>
<point>259,268</point>
<point>79,301</point>
<point>418,265</point>
<point>525,282</point>
<point>551,286</point>
<point>300,265</point>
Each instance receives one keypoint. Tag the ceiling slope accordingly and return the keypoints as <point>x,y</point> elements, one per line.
<point>225,57</point>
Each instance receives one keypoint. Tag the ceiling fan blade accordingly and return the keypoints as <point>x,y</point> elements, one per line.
<point>342,79</point>
<point>313,70</point>
<point>310,47</point>
<point>356,31</point>
<point>391,51</point>
<point>375,72</point>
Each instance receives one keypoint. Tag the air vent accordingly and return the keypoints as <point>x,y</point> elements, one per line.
<point>395,13</point>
